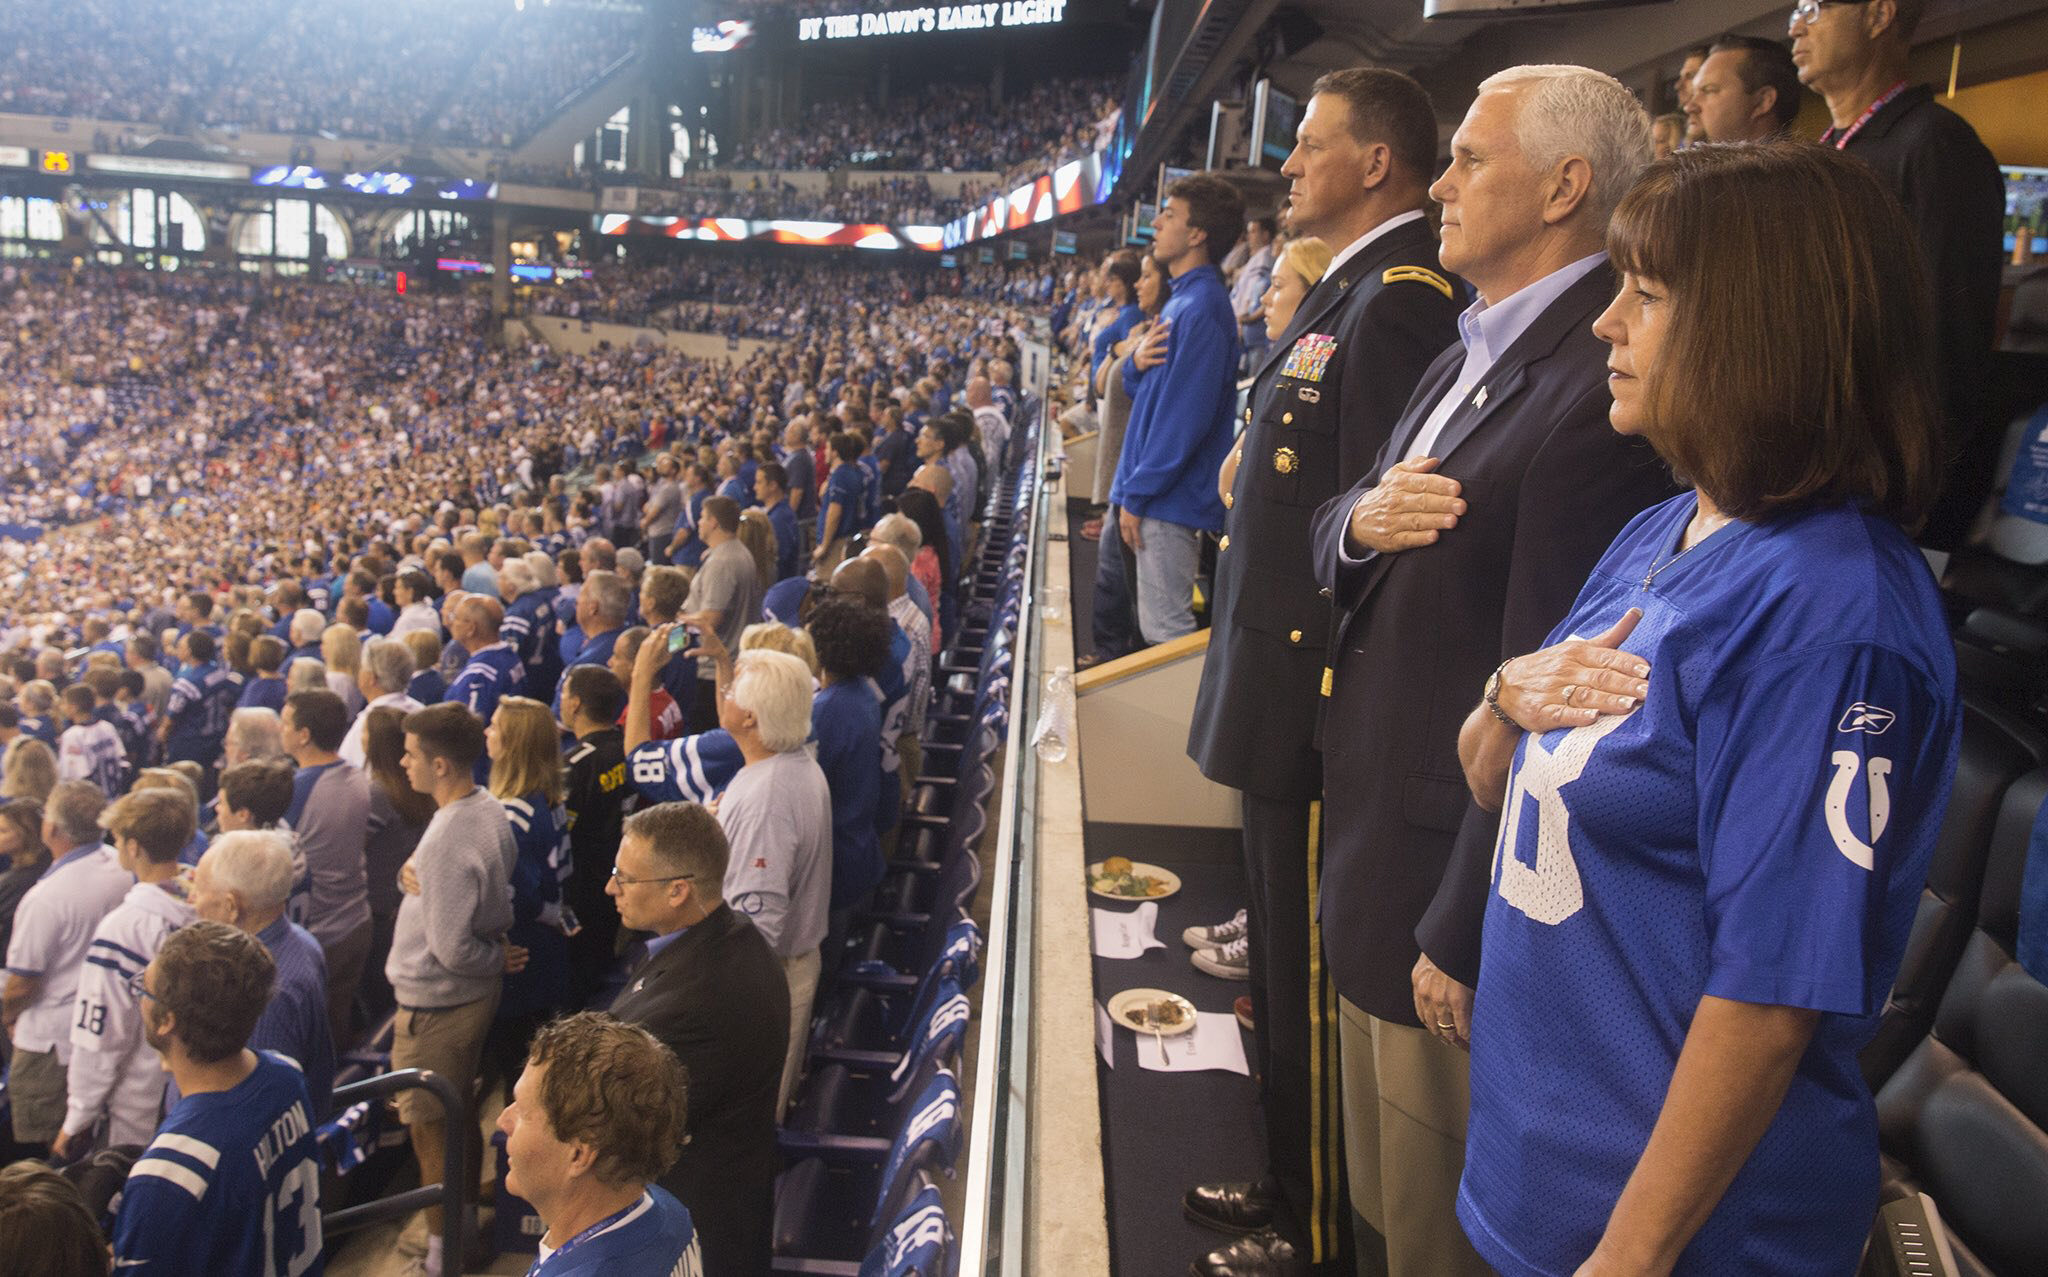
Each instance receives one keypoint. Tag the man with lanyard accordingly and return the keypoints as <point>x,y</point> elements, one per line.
<point>595,1118</point>
<point>1854,54</point>
<point>1325,397</point>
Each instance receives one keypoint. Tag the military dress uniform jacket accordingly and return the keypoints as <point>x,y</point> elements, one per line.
<point>1323,402</point>
<point>1548,483</point>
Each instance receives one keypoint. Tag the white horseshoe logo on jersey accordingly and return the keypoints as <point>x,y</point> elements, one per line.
<point>1846,841</point>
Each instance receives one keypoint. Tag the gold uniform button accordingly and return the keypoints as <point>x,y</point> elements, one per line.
<point>1294,636</point>
<point>1224,544</point>
<point>1229,501</point>
<point>1247,416</point>
<point>1286,418</point>
<point>1285,460</point>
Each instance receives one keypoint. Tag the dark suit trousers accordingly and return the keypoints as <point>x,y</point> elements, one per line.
<point>1294,1007</point>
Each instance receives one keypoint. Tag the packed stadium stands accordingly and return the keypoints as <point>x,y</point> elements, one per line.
<point>471,72</point>
<point>865,356</point>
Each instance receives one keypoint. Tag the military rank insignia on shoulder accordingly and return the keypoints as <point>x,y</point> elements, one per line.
<point>1310,355</point>
<point>1419,275</point>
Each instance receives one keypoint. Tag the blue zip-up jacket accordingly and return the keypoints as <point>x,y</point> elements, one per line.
<point>1179,429</point>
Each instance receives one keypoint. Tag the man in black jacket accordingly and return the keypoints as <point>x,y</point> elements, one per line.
<point>1855,56</point>
<point>1481,518</point>
<point>1325,396</point>
<point>597,801</point>
<point>713,992</point>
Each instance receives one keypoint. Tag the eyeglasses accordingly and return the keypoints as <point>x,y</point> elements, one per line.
<point>135,987</point>
<point>1807,12</point>
<point>624,881</point>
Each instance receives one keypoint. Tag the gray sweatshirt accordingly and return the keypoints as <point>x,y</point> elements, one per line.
<point>448,948</point>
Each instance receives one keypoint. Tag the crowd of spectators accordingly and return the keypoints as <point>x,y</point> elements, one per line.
<point>475,72</point>
<point>891,201</point>
<point>750,297</point>
<point>361,629</point>
<point>946,128</point>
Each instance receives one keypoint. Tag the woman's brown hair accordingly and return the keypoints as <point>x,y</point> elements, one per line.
<point>384,754</point>
<point>1798,369</point>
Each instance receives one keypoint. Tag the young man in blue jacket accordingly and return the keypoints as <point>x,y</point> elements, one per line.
<point>1182,390</point>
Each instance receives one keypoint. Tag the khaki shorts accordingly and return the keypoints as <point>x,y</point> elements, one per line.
<point>448,1040</point>
<point>36,1082</point>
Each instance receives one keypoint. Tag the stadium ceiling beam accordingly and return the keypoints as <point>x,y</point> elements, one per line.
<point>1221,38</point>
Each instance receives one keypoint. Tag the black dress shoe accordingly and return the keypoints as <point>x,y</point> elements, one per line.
<point>1261,1254</point>
<point>1229,1208</point>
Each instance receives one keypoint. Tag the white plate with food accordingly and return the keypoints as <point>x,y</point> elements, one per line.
<point>1153,1011</point>
<point>1120,879</point>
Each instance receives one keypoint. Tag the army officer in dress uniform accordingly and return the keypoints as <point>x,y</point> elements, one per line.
<point>1324,399</point>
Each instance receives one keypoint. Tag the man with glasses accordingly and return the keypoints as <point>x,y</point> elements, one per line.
<point>1854,54</point>
<point>712,991</point>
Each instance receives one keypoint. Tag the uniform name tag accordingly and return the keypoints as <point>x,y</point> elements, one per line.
<point>1310,355</point>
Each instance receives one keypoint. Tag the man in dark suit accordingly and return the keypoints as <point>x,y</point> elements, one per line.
<point>1324,398</point>
<point>1495,495</point>
<point>1855,56</point>
<point>713,992</point>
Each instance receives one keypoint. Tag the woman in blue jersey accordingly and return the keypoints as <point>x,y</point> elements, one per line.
<point>526,779</point>
<point>1721,784</point>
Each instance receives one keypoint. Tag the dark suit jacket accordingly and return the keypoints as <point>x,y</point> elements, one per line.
<point>1547,483</point>
<point>718,998</point>
<point>1934,162</point>
<point>1307,437</point>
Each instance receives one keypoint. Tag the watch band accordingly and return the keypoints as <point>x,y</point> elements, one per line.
<point>1493,695</point>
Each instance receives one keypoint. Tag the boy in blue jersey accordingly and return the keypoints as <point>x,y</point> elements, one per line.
<point>595,1118</point>
<point>202,697</point>
<point>231,1183</point>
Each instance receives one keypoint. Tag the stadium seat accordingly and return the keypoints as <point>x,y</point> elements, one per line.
<point>1965,1116</point>
<point>1997,748</point>
<point>835,1208</point>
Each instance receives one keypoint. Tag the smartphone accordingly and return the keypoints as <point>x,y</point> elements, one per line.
<point>682,637</point>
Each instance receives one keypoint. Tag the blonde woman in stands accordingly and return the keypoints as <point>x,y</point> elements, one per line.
<point>341,649</point>
<point>29,770</point>
<point>1298,269</point>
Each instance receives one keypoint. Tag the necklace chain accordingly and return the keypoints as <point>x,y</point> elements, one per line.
<point>1656,567</point>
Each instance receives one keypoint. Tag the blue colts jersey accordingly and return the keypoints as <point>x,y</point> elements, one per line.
<point>230,1184</point>
<point>1757,831</point>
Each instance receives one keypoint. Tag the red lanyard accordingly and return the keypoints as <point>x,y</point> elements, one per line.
<point>1840,139</point>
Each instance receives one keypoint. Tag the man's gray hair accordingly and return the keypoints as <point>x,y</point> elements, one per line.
<point>544,575</point>
<point>74,808</point>
<point>1573,110</point>
<point>631,562</point>
<point>775,688</point>
<point>307,626</point>
<point>685,840</point>
<point>609,595</point>
<point>255,734</point>
<point>255,864</point>
<point>389,664</point>
<point>515,578</point>
<point>900,531</point>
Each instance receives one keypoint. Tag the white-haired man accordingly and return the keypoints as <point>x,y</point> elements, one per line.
<point>382,679</point>
<point>1496,493</point>
<point>245,879</point>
